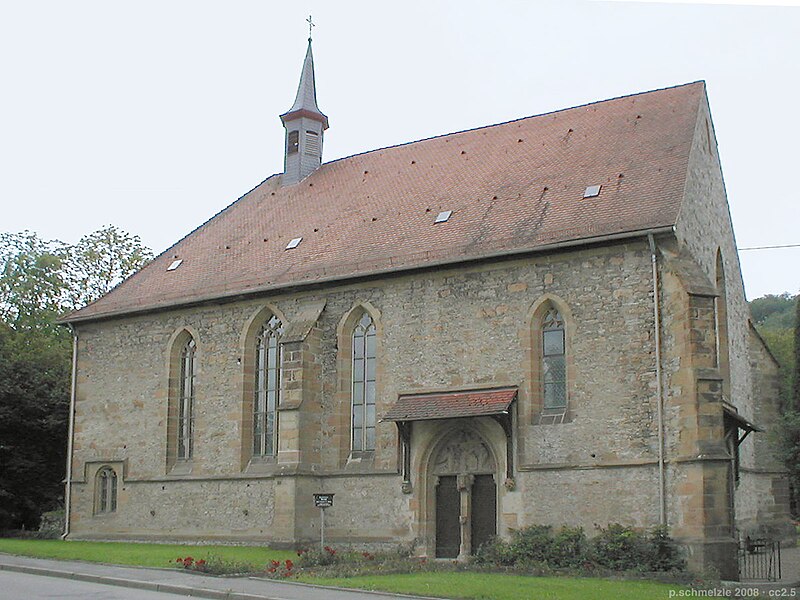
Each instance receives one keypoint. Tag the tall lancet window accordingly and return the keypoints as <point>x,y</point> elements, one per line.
<point>267,389</point>
<point>554,364</point>
<point>186,401</point>
<point>363,391</point>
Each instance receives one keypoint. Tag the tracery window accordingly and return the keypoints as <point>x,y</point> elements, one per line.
<point>267,388</point>
<point>186,400</point>
<point>363,385</point>
<point>106,501</point>
<point>554,364</point>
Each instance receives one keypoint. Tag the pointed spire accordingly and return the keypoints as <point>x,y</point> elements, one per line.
<point>305,125</point>
<point>305,103</point>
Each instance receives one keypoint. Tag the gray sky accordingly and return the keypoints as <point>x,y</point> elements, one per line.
<point>155,115</point>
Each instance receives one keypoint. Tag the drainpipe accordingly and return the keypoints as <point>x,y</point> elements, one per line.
<point>70,435</point>
<point>662,492</point>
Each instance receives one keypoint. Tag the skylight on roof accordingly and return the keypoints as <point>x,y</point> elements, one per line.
<point>174,264</point>
<point>592,191</point>
<point>443,216</point>
<point>294,243</point>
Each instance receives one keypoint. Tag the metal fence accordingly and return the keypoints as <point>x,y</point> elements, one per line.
<point>759,559</point>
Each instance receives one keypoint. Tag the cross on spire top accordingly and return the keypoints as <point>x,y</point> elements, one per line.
<point>310,25</point>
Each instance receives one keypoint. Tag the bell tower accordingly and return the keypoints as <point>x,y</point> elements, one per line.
<point>305,125</point>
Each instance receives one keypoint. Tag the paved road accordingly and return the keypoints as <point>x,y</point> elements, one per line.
<point>173,581</point>
<point>22,586</point>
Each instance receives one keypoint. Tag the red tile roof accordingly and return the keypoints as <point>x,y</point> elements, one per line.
<point>476,403</point>
<point>516,186</point>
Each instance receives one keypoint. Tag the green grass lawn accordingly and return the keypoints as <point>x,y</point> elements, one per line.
<point>477,586</point>
<point>143,555</point>
<point>497,586</point>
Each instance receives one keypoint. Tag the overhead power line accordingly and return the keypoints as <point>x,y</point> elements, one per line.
<point>770,247</point>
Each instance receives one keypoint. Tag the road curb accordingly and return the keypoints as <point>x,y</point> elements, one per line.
<point>171,588</point>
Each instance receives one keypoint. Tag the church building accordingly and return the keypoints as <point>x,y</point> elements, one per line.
<point>536,322</point>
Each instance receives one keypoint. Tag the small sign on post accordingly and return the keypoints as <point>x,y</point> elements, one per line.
<point>322,501</point>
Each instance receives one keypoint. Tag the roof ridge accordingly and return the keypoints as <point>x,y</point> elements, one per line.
<point>498,124</point>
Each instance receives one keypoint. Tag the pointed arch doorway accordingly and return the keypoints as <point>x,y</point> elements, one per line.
<point>463,471</point>
<point>457,464</point>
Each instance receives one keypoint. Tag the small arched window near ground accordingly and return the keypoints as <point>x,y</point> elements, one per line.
<point>106,501</point>
<point>267,388</point>
<point>363,385</point>
<point>554,364</point>
<point>186,401</point>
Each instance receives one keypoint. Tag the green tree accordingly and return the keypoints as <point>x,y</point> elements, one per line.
<point>39,280</point>
<point>34,405</point>
<point>32,280</point>
<point>773,311</point>
<point>796,386</point>
<point>781,343</point>
<point>102,260</point>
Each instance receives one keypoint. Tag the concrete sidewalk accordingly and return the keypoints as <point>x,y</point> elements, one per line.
<point>183,583</point>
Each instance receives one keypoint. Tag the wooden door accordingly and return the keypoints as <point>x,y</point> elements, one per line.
<point>484,510</point>
<point>448,511</point>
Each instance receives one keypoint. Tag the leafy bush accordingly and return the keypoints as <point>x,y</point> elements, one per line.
<point>495,552</point>
<point>276,568</point>
<point>665,554</point>
<point>216,565</point>
<point>52,524</point>
<point>620,548</point>
<point>532,544</point>
<point>569,548</point>
<point>616,548</point>
<point>190,564</point>
<point>314,557</point>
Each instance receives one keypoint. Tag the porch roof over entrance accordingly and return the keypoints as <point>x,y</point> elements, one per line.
<point>731,412</point>
<point>450,405</point>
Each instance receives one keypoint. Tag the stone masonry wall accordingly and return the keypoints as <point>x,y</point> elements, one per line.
<point>706,373</point>
<point>704,227</point>
<point>455,328</point>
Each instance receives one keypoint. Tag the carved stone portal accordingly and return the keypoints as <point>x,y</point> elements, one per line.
<point>462,456</point>
<point>464,453</point>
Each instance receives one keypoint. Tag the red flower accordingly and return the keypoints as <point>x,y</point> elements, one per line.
<point>271,570</point>
<point>274,563</point>
<point>289,564</point>
<point>201,562</point>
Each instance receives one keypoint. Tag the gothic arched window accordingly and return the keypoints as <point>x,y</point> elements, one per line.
<point>554,364</point>
<point>186,401</point>
<point>363,385</point>
<point>267,388</point>
<point>106,486</point>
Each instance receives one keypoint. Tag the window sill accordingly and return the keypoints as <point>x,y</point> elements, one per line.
<point>261,465</point>
<point>360,461</point>
<point>553,416</point>
<point>181,467</point>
